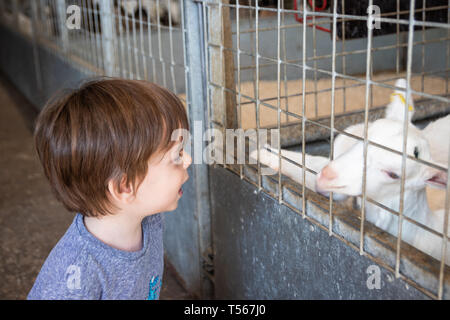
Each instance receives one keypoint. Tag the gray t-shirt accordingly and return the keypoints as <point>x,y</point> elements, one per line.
<point>82,267</point>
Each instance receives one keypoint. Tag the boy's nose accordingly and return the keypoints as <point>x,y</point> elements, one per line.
<point>187,160</point>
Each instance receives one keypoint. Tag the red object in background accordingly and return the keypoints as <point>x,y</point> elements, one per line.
<point>300,19</point>
<point>323,7</point>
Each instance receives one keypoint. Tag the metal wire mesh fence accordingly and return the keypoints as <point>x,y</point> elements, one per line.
<point>311,71</point>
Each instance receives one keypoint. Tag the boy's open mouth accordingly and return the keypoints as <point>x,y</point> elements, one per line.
<point>180,192</point>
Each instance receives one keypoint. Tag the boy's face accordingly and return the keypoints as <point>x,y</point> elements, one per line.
<point>161,188</point>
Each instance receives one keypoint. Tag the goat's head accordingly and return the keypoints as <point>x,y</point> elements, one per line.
<point>344,174</point>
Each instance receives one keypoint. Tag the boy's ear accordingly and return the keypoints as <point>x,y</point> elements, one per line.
<point>121,192</point>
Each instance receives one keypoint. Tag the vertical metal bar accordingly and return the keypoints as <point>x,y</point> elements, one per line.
<point>91,41</point>
<point>172,60</point>
<point>253,55</point>
<point>217,64</point>
<point>314,30</point>
<point>397,60</point>
<point>333,93</point>
<point>344,59</point>
<point>92,33</point>
<point>85,41</point>
<point>280,189</point>
<point>141,38</point>
<point>228,71</point>
<point>121,38</point>
<point>257,92</point>
<point>81,35</point>
<point>61,18</point>
<point>150,46</point>
<point>207,57</point>
<point>55,22</point>
<point>238,52</point>
<point>405,135</point>
<point>127,47</point>
<point>286,93</point>
<point>304,111</point>
<point>366,126</point>
<point>135,46</point>
<point>99,36</point>
<point>161,60</point>
<point>108,34</point>
<point>186,68</point>
<point>196,86</point>
<point>448,49</point>
<point>221,74</point>
<point>424,4</point>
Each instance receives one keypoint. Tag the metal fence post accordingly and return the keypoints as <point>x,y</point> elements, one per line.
<point>61,19</point>
<point>108,32</point>
<point>196,92</point>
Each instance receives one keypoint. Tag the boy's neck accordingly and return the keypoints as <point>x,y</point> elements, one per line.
<point>120,231</point>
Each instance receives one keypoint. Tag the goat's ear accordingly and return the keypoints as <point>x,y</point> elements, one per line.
<point>438,180</point>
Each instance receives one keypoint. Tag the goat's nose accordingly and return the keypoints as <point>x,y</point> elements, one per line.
<point>328,173</point>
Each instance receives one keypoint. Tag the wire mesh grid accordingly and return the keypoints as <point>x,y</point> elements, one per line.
<point>127,38</point>
<point>308,74</point>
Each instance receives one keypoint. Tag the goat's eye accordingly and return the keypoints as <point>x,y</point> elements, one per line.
<point>392,175</point>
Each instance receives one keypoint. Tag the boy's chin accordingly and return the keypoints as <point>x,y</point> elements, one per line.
<point>173,207</point>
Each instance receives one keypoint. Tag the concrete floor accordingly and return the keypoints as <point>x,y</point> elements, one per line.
<point>31,220</point>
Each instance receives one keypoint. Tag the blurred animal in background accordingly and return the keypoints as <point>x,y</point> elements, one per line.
<point>133,13</point>
<point>46,23</point>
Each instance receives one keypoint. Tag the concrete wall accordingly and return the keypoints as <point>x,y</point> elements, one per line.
<point>267,251</point>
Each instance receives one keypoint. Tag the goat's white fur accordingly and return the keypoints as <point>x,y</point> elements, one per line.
<point>434,144</point>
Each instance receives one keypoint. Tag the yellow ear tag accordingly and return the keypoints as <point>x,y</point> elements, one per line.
<point>402,98</point>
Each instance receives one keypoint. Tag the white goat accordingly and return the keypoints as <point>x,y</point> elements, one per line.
<point>343,176</point>
<point>269,157</point>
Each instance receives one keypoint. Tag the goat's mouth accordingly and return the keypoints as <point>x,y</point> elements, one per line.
<point>326,189</point>
<point>332,188</point>
<point>437,181</point>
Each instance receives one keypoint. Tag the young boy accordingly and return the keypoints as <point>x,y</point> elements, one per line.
<point>110,156</point>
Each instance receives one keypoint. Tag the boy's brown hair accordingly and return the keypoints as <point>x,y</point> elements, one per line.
<point>106,130</point>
